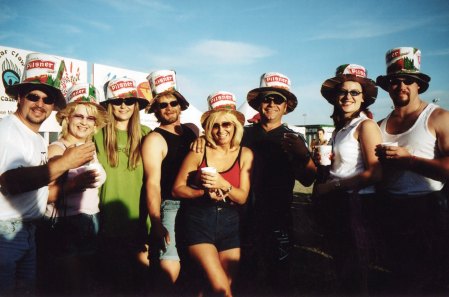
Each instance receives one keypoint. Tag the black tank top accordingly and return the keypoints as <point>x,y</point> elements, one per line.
<point>178,147</point>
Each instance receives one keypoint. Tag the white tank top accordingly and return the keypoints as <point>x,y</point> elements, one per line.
<point>421,143</point>
<point>348,160</point>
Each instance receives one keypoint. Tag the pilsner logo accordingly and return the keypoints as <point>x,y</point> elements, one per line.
<point>77,92</point>
<point>275,78</point>
<point>163,79</point>
<point>221,97</point>
<point>394,54</point>
<point>357,72</point>
<point>41,64</point>
<point>122,84</point>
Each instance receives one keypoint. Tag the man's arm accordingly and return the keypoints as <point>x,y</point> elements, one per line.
<point>25,179</point>
<point>154,150</point>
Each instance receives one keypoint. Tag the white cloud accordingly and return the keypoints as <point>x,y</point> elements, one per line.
<point>229,52</point>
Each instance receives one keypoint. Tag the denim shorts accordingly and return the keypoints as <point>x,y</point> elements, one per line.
<point>216,224</point>
<point>169,211</point>
<point>17,256</point>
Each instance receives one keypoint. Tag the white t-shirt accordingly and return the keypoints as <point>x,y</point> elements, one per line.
<point>21,147</point>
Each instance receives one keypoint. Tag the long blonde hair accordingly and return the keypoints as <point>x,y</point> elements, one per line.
<point>229,116</point>
<point>134,139</point>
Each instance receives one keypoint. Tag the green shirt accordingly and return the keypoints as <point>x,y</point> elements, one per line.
<point>120,195</point>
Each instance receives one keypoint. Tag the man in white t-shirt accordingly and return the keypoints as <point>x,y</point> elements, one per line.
<point>414,209</point>
<point>26,172</point>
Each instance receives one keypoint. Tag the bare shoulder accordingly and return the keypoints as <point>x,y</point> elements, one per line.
<point>55,150</point>
<point>368,125</point>
<point>247,152</point>
<point>438,120</point>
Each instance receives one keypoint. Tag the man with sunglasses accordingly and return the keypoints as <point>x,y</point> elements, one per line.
<point>26,172</point>
<point>163,151</point>
<point>414,208</point>
<point>281,157</point>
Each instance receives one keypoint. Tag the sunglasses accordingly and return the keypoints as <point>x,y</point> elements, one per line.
<point>127,101</point>
<point>224,125</point>
<point>275,98</point>
<point>35,98</point>
<point>165,104</point>
<point>353,93</point>
<point>80,117</point>
<point>397,81</point>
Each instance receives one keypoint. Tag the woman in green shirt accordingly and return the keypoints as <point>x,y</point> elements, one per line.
<point>123,229</point>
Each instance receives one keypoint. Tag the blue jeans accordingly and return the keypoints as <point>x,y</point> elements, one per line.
<point>169,211</point>
<point>17,257</point>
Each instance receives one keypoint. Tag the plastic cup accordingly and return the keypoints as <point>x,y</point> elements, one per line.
<point>325,154</point>
<point>389,143</point>
<point>209,170</point>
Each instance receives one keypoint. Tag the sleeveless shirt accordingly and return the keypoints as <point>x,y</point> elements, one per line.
<point>421,143</point>
<point>348,157</point>
<point>178,147</point>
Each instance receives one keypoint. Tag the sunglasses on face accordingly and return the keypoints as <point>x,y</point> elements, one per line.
<point>224,125</point>
<point>275,98</point>
<point>35,98</point>
<point>80,117</point>
<point>127,101</point>
<point>343,93</point>
<point>397,81</point>
<point>165,104</point>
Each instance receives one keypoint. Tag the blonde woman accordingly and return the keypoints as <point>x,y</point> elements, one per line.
<point>74,215</point>
<point>209,216</point>
<point>123,233</point>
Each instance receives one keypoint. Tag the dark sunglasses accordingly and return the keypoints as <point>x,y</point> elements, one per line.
<point>275,98</point>
<point>397,81</point>
<point>165,104</point>
<point>34,98</point>
<point>127,101</point>
<point>343,93</point>
<point>224,125</point>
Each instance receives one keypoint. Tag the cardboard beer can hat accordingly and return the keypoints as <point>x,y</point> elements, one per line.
<point>122,88</point>
<point>273,82</point>
<point>222,100</point>
<point>42,72</point>
<point>164,82</point>
<point>350,72</point>
<point>81,93</point>
<point>404,62</point>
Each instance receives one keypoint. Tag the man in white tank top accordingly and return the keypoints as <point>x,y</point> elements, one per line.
<point>416,164</point>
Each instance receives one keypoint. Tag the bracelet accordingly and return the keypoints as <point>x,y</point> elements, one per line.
<point>227,190</point>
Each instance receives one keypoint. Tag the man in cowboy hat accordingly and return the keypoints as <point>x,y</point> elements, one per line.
<point>26,172</point>
<point>281,157</point>
<point>418,165</point>
<point>163,151</point>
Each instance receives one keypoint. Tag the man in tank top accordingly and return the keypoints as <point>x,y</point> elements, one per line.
<point>416,163</point>
<point>163,151</point>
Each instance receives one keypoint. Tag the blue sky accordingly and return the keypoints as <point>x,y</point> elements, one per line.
<point>227,45</point>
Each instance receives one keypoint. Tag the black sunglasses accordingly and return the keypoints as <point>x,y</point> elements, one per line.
<point>34,98</point>
<point>165,104</point>
<point>127,101</point>
<point>343,93</point>
<point>397,81</point>
<point>277,99</point>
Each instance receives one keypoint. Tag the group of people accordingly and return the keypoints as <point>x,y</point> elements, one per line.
<point>120,209</point>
